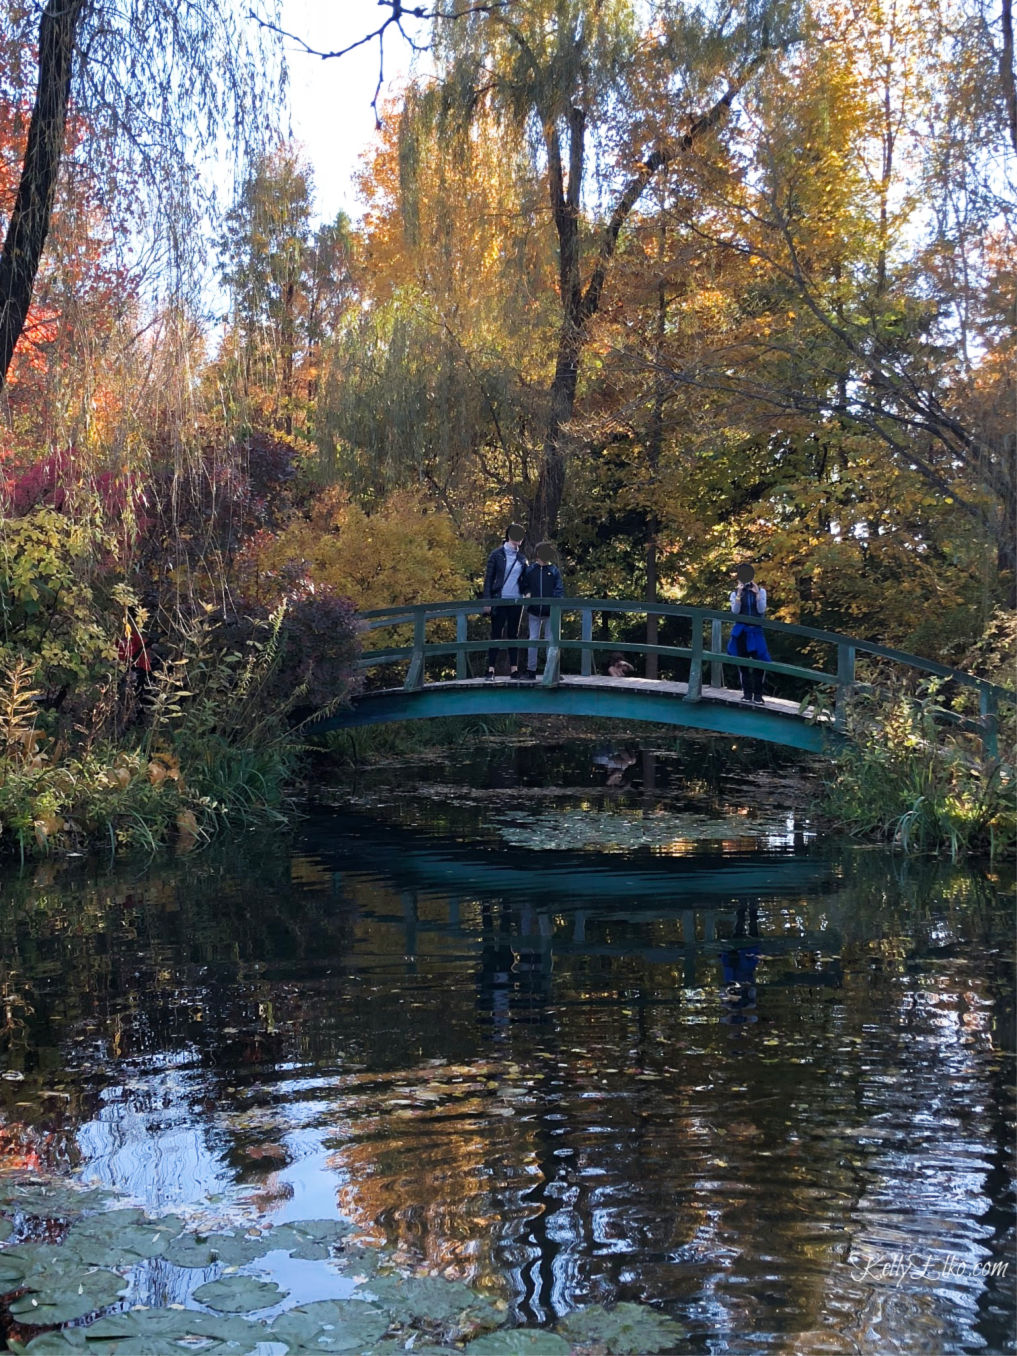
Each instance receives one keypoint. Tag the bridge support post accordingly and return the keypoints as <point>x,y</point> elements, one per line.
<point>415,672</point>
<point>695,688</point>
<point>552,664</point>
<point>461,670</point>
<point>586,634</point>
<point>716,665</point>
<point>845,683</point>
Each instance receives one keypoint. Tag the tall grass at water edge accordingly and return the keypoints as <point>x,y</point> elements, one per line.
<point>910,778</point>
<point>213,750</point>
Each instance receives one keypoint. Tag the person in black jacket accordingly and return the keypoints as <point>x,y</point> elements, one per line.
<point>541,580</point>
<point>502,580</point>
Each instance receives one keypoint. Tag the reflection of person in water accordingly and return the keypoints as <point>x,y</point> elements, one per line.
<point>738,969</point>
<point>494,982</point>
<point>513,983</point>
<point>615,763</point>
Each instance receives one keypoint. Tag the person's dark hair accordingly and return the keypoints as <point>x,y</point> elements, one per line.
<point>545,551</point>
<point>514,532</point>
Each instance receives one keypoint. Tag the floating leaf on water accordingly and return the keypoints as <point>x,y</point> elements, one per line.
<point>142,1322</point>
<point>519,1342</point>
<point>331,1326</point>
<point>188,1251</point>
<point>411,1299</point>
<point>232,1250</point>
<point>143,1330</point>
<point>52,1343</point>
<point>17,1261</point>
<point>310,1240</point>
<point>625,1330</point>
<point>323,1230</point>
<point>239,1294</point>
<point>62,1293</point>
<point>113,1238</point>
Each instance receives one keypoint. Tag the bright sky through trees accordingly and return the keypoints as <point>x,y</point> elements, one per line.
<point>330,100</point>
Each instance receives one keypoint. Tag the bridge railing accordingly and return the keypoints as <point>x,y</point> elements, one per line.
<point>705,652</point>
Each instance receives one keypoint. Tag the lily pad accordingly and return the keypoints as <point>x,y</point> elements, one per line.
<point>51,1202</point>
<point>12,1270</point>
<point>434,1301</point>
<point>232,1250</point>
<point>64,1292</point>
<point>52,1343</point>
<point>173,1324</point>
<point>331,1326</point>
<point>625,1330</point>
<point>239,1294</point>
<point>111,1239</point>
<point>25,1259</point>
<point>312,1240</point>
<point>323,1230</point>
<point>175,1329</point>
<point>519,1342</point>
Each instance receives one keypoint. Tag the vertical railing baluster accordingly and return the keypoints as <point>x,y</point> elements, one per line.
<point>988,708</point>
<point>415,673</point>
<point>695,688</point>
<point>716,665</point>
<point>845,682</point>
<point>586,634</point>
<point>462,670</point>
<point>552,664</point>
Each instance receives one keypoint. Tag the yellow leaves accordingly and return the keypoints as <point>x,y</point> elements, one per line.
<point>399,553</point>
<point>47,827</point>
<point>163,767</point>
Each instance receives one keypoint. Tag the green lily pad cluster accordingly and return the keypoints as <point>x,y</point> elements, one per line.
<point>52,1285</point>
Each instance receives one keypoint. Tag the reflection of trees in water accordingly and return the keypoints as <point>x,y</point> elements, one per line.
<point>551,1093</point>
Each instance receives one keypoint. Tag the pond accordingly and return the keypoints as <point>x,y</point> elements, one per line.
<point>573,1024</point>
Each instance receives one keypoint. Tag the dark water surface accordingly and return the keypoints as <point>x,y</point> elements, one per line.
<point>569,1043</point>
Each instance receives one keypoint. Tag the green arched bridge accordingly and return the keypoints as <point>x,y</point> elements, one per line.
<point>424,670</point>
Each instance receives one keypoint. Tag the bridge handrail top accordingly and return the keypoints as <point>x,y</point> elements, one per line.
<point>404,615</point>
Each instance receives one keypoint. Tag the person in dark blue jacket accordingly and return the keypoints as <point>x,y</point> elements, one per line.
<point>748,600</point>
<point>502,580</point>
<point>540,580</point>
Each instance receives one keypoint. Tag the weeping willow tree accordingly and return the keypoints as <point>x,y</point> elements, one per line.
<point>604,96</point>
<point>155,91</point>
<point>434,380</point>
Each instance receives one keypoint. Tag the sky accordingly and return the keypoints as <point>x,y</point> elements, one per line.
<point>330,101</point>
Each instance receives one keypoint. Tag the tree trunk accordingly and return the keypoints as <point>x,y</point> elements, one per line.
<point>654,446</point>
<point>551,480</point>
<point>33,206</point>
<point>1006,72</point>
<point>579,304</point>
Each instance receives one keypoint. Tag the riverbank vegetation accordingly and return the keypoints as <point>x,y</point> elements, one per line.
<point>677,288</point>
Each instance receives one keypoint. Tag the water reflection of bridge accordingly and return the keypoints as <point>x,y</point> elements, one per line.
<point>599,962</point>
<point>562,906</point>
<point>697,874</point>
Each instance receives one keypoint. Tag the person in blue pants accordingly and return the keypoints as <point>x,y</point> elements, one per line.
<point>748,600</point>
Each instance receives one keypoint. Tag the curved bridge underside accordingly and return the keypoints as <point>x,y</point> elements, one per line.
<point>720,710</point>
